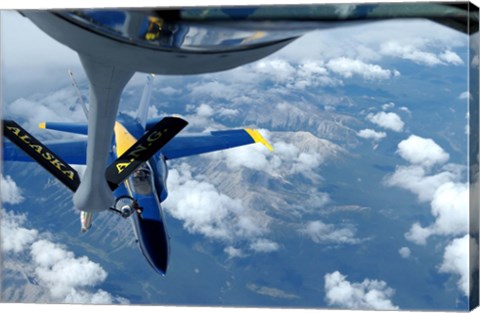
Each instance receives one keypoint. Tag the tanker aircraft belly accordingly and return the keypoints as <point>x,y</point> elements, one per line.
<point>137,173</point>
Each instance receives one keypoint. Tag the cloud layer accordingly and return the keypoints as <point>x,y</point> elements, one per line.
<point>420,54</point>
<point>320,232</point>
<point>367,295</point>
<point>441,186</point>
<point>422,151</point>
<point>371,134</point>
<point>390,120</point>
<point>347,68</point>
<point>206,211</point>
<point>293,153</point>
<point>458,261</point>
<point>64,277</point>
<point>447,195</point>
<point>9,191</point>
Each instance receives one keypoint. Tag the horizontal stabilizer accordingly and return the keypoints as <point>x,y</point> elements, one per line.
<point>188,145</point>
<point>75,128</point>
<point>41,154</point>
<point>143,150</point>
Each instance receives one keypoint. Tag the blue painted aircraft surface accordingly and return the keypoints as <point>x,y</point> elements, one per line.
<point>138,171</point>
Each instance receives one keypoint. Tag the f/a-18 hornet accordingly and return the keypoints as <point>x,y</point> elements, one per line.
<point>137,170</point>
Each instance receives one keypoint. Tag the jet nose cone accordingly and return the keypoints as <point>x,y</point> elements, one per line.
<point>154,244</point>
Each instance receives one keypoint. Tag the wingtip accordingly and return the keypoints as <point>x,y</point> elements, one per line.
<point>42,125</point>
<point>257,137</point>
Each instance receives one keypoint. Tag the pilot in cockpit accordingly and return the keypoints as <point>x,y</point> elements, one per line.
<point>141,180</point>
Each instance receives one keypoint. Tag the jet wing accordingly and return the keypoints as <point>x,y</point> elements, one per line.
<point>193,144</point>
<point>72,152</point>
<point>41,154</point>
<point>74,128</point>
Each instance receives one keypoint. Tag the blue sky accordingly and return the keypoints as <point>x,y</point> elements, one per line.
<point>321,60</point>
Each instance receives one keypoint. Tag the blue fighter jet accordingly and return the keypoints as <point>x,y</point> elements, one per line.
<point>137,173</point>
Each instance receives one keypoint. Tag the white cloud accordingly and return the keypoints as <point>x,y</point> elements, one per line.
<point>456,260</point>
<point>204,110</point>
<point>255,157</point>
<point>215,90</point>
<point>449,204</point>
<point>227,112</point>
<point>303,155</point>
<point>309,69</point>
<point>387,120</point>
<point>416,180</point>
<point>264,245</point>
<point>278,70</point>
<point>364,41</point>
<point>169,91</point>
<point>448,198</point>
<point>31,66</point>
<point>320,232</point>
<point>367,295</point>
<point>233,252</point>
<point>271,292</point>
<point>451,57</point>
<point>313,73</point>
<point>409,52</point>
<point>388,106</point>
<point>64,277</point>
<point>347,67</point>
<point>62,273</point>
<point>206,211</point>
<point>14,237</point>
<point>59,106</point>
<point>418,53</point>
<point>418,234</point>
<point>306,162</point>
<point>10,192</point>
<point>449,207</point>
<point>405,109</point>
<point>292,74</point>
<point>405,252</point>
<point>422,151</point>
<point>371,134</point>
<point>200,118</point>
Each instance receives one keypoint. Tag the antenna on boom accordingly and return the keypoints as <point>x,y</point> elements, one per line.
<point>74,84</point>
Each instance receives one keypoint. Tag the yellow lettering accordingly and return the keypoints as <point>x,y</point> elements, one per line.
<point>138,150</point>
<point>37,148</point>
<point>122,166</point>
<point>48,156</point>
<point>69,174</point>
<point>57,164</point>
<point>14,130</point>
<point>154,136</point>
<point>25,138</point>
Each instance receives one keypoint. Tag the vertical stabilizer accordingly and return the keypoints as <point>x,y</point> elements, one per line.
<point>142,113</point>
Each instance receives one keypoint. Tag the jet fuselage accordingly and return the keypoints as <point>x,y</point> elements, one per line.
<point>147,186</point>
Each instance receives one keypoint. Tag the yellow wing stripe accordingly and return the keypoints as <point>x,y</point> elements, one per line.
<point>124,139</point>
<point>257,137</point>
